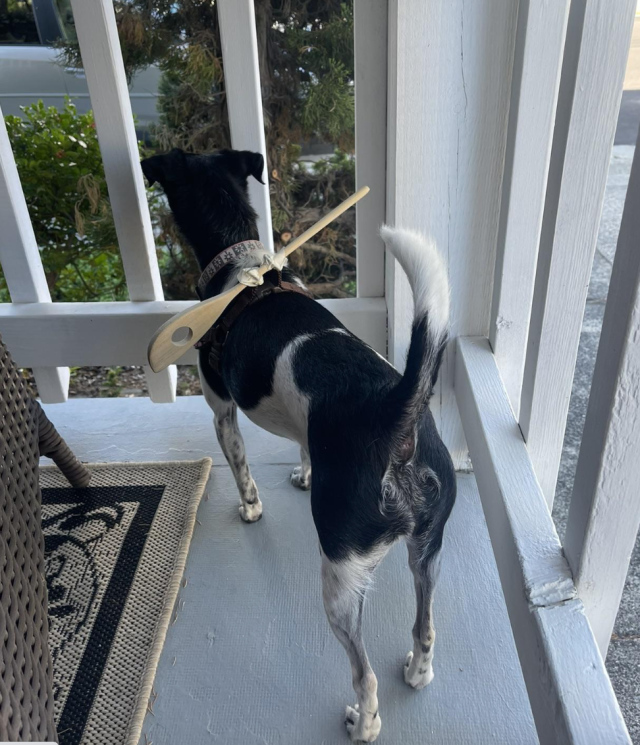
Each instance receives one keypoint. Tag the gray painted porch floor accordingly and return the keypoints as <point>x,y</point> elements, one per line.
<point>250,658</point>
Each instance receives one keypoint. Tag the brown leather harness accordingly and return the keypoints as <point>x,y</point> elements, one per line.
<point>216,336</point>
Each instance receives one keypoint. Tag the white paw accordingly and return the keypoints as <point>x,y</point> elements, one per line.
<point>251,513</point>
<point>416,676</point>
<point>362,729</point>
<point>301,478</point>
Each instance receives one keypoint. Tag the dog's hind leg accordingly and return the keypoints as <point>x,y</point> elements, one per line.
<point>301,475</point>
<point>344,584</point>
<point>418,667</point>
<point>225,420</point>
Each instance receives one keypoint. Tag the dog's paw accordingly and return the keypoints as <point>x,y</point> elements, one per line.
<point>301,477</point>
<point>251,513</point>
<point>416,676</point>
<point>362,729</point>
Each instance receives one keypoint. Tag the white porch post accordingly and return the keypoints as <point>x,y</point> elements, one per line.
<point>605,507</point>
<point>448,96</point>
<point>370,31</point>
<point>590,90</point>
<point>244,98</point>
<point>21,262</point>
<point>534,93</point>
<point>102,60</point>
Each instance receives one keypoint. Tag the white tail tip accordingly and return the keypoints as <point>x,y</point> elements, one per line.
<point>427,274</point>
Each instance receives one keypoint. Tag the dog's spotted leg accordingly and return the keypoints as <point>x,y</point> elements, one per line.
<point>418,666</point>
<point>301,475</point>
<point>344,584</point>
<point>225,420</point>
<point>232,444</point>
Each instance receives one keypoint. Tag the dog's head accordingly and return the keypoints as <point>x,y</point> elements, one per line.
<point>208,195</point>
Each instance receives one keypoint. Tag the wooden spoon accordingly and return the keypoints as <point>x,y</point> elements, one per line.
<point>181,332</point>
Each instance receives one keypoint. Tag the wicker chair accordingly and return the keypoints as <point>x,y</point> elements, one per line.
<point>26,700</point>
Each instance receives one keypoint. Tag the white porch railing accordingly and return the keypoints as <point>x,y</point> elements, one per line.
<point>21,262</point>
<point>489,125</point>
<point>102,59</point>
<point>38,331</point>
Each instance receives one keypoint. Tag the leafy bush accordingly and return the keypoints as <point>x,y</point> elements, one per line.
<point>62,176</point>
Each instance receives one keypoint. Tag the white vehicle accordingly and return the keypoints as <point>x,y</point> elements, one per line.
<point>29,70</point>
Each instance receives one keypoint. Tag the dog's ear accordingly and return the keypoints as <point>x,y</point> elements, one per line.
<point>164,168</point>
<point>253,164</point>
<point>246,163</point>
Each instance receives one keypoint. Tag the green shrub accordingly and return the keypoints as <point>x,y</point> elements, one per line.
<point>62,176</point>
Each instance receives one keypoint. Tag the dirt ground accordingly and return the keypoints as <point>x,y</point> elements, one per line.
<point>114,382</point>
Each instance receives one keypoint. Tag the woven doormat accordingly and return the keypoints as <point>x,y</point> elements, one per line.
<point>115,555</point>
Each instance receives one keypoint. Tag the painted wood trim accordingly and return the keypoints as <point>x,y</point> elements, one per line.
<point>500,459</point>
<point>534,93</point>
<point>52,383</point>
<point>370,42</point>
<point>244,98</point>
<point>21,262</point>
<point>162,385</point>
<point>571,697</point>
<point>95,24</point>
<point>604,515</point>
<point>598,37</point>
<point>397,291</point>
<point>119,333</point>
<point>450,66</point>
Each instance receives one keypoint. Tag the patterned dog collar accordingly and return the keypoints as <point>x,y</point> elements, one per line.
<point>237,251</point>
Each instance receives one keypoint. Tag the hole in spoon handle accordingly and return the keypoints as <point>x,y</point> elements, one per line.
<point>181,336</point>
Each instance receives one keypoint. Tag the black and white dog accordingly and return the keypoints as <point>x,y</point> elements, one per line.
<point>377,468</point>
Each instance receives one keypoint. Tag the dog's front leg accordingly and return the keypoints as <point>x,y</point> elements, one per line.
<point>225,420</point>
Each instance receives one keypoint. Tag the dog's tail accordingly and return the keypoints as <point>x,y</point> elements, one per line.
<point>427,273</point>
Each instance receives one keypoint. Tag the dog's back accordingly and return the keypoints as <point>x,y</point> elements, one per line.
<point>378,463</point>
